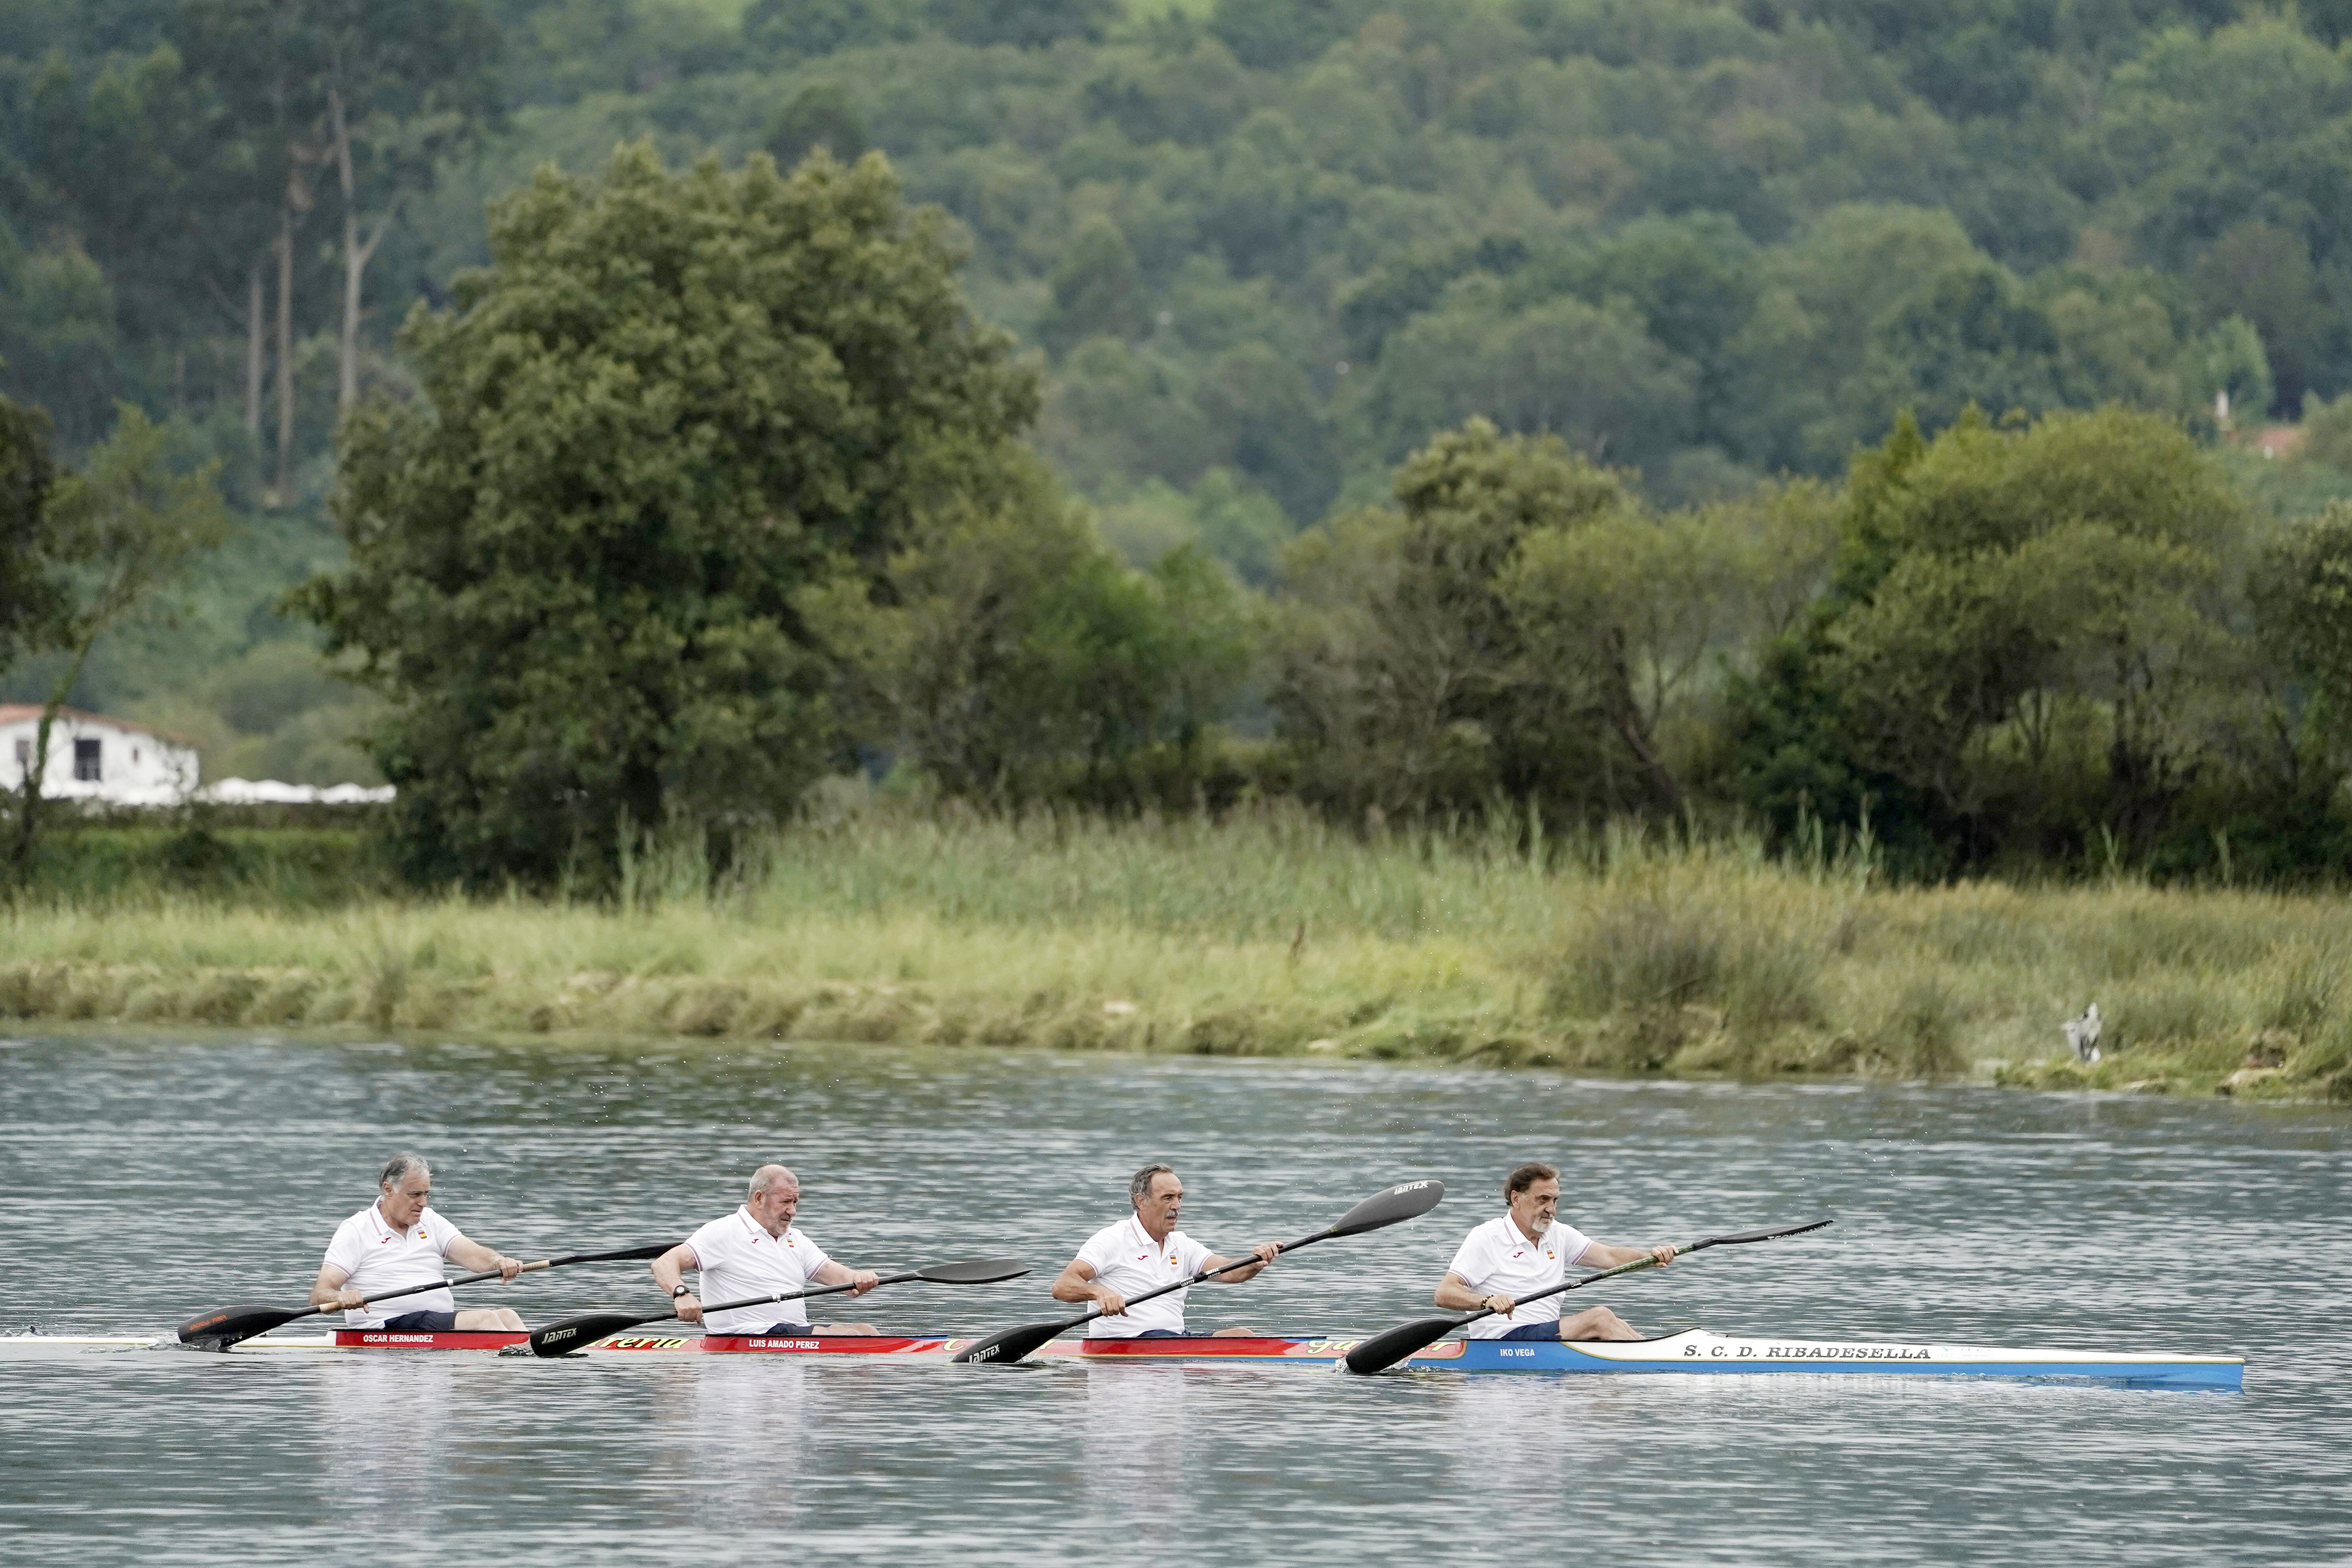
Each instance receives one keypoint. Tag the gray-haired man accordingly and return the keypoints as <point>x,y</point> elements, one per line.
<point>1143,1252</point>
<point>757,1250</point>
<point>399,1241</point>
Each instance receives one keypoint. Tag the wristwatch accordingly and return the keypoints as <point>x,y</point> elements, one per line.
<point>681,1291</point>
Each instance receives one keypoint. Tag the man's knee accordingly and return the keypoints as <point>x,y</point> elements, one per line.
<point>1596,1323</point>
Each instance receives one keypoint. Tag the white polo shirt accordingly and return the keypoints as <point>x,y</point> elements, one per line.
<point>1496,1258</point>
<point>737,1258</point>
<point>375,1258</point>
<point>1126,1259</point>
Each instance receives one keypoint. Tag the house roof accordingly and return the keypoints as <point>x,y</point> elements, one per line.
<point>17,713</point>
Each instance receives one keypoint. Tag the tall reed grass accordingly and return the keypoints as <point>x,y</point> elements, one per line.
<point>1269,932</point>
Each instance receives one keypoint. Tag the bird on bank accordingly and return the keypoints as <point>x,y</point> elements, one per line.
<point>2082,1034</point>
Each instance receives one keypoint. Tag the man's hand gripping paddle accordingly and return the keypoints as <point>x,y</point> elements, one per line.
<point>1398,1204</point>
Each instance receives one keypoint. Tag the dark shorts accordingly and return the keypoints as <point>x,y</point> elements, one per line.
<point>1159,1333</point>
<point>784,1331</point>
<point>423,1323</point>
<point>1549,1329</point>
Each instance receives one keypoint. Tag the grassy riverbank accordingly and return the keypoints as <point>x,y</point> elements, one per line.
<point>1270,935</point>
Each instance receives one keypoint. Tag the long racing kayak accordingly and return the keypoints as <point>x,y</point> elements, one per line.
<point>1691,1351</point>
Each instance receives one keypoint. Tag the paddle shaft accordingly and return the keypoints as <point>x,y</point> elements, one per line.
<point>570,1329</point>
<point>593,1326</point>
<point>486,1274</point>
<point>1406,1200</point>
<point>1639,1263</point>
<point>792,1295</point>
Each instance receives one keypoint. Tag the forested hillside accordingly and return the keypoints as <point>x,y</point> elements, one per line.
<point>1265,251</point>
<point>1286,240</point>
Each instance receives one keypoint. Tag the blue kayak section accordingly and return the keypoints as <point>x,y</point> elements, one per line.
<point>1816,1359</point>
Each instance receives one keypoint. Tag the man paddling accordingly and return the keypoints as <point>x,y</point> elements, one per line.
<point>399,1241</point>
<point>755,1251</point>
<point>1527,1249</point>
<point>1143,1251</point>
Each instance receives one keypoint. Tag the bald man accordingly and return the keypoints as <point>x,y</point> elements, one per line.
<point>758,1251</point>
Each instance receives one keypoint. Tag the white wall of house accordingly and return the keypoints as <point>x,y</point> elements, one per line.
<point>96,758</point>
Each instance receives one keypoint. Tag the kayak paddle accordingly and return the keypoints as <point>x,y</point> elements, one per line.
<point>1385,1350</point>
<point>221,1329</point>
<point>1398,1204</point>
<point>556,1339</point>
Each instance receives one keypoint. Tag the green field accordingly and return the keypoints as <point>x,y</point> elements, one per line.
<point>1270,934</point>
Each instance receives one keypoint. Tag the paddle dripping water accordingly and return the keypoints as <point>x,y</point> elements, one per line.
<point>1965,1217</point>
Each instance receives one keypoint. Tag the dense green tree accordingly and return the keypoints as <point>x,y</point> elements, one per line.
<point>1013,658</point>
<point>1273,35</point>
<point>1230,518</point>
<point>1118,413</point>
<point>673,404</point>
<point>113,536</point>
<point>820,115</point>
<point>1026,24</point>
<point>823,27</point>
<point>2303,600</point>
<point>2264,273</point>
<point>1406,675</point>
<point>57,333</point>
<point>31,597</point>
<point>1097,289</point>
<point>1708,241</point>
<point>1273,427</point>
<point>2024,619</point>
<point>1592,375</point>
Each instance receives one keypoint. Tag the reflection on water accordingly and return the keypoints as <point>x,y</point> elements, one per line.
<point>1510,1438</point>
<point>1962,1215</point>
<point>383,1431</point>
<point>742,1435</point>
<point>1138,1437</point>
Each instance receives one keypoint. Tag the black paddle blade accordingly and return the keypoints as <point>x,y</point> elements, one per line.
<point>974,1272</point>
<point>219,1330</point>
<point>1760,1235</point>
<point>1385,1349</point>
<point>1407,1200</point>
<point>1006,1346</point>
<point>578,1333</point>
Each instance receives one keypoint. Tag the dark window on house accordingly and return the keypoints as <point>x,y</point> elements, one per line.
<point>86,769</point>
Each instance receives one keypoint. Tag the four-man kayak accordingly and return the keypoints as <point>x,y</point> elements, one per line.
<point>1692,1351</point>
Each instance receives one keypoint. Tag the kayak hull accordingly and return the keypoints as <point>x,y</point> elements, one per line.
<point>1691,1352</point>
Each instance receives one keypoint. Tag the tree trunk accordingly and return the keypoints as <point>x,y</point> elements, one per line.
<point>28,802</point>
<point>257,355</point>
<point>356,252</point>
<point>355,258</point>
<point>28,805</point>
<point>284,490</point>
<point>1625,716</point>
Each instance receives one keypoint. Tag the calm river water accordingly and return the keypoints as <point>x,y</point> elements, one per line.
<point>142,1180</point>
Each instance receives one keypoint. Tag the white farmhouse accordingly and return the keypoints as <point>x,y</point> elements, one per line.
<point>96,758</point>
